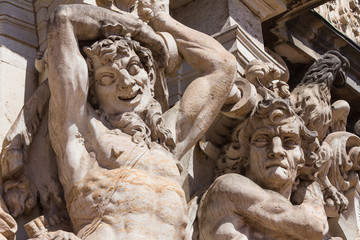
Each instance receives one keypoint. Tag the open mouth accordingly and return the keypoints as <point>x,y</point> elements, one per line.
<point>129,97</point>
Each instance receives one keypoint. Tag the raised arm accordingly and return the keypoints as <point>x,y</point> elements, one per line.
<point>67,68</point>
<point>202,100</point>
<point>68,76</point>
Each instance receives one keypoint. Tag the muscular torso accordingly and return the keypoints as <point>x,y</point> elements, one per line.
<point>130,192</point>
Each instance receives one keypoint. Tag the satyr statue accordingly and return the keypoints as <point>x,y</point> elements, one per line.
<point>255,203</point>
<point>117,158</point>
<point>117,152</point>
<point>100,149</point>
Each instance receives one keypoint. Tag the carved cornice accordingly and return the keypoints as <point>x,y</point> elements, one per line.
<point>296,3</point>
<point>238,42</point>
<point>266,9</point>
<point>17,22</point>
<point>344,15</point>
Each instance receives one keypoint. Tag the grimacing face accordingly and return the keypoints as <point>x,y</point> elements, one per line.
<point>122,85</point>
<point>275,153</point>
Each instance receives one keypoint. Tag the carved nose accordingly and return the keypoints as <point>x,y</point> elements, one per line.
<point>125,81</point>
<point>276,149</point>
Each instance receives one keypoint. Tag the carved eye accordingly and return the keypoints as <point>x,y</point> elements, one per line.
<point>290,142</point>
<point>134,68</point>
<point>106,79</point>
<point>261,140</point>
<point>132,8</point>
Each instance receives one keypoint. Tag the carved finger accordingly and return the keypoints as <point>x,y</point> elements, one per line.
<point>155,43</point>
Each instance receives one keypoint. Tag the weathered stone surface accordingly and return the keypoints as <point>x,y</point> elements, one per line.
<point>256,204</point>
<point>18,42</point>
<point>274,176</point>
<point>344,15</point>
<point>98,146</point>
<point>123,170</point>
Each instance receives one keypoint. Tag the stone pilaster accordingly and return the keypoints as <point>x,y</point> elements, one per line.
<point>18,43</point>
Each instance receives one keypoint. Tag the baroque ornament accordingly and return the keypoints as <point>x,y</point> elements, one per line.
<point>99,147</point>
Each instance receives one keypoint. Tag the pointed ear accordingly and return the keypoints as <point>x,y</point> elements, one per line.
<point>87,51</point>
<point>90,65</point>
<point>89,61</point>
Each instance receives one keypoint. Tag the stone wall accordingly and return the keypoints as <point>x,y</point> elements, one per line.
<point>18,45</point>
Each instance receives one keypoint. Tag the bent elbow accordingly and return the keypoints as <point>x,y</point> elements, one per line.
<point>227,66</point>
<point>321,229</point>
<point>318,234</point>
<point>317,229</point>
<point>59,17</point>
<point>231,64</point>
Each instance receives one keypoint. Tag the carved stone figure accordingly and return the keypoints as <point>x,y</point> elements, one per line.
<point>289,165</point>
<point>256,205</point>
<point>8,225</point>
<point>343,16</point>
<point>117,153</point>
<point>311,98</point>
<point>100,149</point>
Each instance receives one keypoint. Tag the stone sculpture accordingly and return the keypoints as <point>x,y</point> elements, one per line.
<point>99,147</point>
<point>311,98</point>
<point>277,179</point>
<point>117,154</point>
<point>256,205</point>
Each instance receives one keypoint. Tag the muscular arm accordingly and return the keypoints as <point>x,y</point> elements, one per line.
<point>68,78</point>
<point>266,208</point>
<point>204,97</point>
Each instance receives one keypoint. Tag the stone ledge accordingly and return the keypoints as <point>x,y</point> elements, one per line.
<point>266,9</point>
<point>243,47</point>
<point>16,30</point>
<point>24,4</point>
<point>25,15</point>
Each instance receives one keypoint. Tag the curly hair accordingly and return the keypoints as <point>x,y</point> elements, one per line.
<point>235,155</point>
<point>143,130</point>
<point>330,63</point>
<point>311,98</point>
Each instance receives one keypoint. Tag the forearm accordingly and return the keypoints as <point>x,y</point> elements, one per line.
<point>305,221</point>
<point>87,21</point>
<point>205,95</point>
<point>271,210</point>
<point>22,131</point>
<point>201,51</point>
